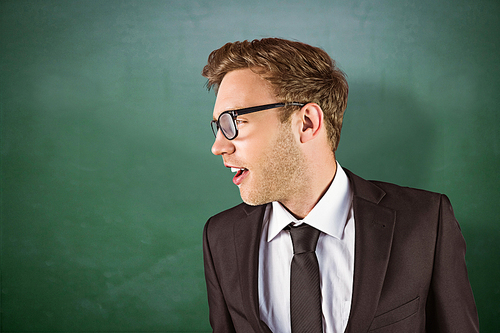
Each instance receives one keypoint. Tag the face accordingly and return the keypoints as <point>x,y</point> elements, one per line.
<point>265,155</point>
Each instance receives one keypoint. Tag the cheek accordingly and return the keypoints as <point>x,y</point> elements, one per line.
<point>255,149</point>
<point>252,156</point>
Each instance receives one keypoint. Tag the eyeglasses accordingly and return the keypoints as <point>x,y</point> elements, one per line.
<point>227,119</point>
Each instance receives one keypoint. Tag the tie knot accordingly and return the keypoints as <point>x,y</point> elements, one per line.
<point>304,238</point>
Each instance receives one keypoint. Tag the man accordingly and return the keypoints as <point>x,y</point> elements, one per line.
<point>315,248</point>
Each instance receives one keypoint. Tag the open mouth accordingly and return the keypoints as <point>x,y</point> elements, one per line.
<point>241,173</point>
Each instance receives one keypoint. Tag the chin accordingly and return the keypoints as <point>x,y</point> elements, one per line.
<point>253,201</point>
<point>255,198</point>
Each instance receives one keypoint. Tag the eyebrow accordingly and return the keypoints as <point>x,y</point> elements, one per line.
<point>237,107</point>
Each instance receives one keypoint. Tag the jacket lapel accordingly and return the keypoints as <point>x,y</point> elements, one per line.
<point>374,226</point>
<point>247,238</point>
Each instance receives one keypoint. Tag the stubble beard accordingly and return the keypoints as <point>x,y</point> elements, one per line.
<point>281,172</point>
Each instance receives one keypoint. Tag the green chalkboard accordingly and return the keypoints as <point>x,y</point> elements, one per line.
<point>106,173</point>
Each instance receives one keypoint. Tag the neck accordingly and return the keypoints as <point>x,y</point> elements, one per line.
<point>319,180</point>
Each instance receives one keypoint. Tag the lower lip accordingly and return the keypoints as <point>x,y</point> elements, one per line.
<point>238,178</point>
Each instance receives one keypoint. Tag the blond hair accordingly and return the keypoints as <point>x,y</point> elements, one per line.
<point>297,71</point>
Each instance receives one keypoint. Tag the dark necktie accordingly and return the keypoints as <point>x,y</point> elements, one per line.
<point>305,292</point>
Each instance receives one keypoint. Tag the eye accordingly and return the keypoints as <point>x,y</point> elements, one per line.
<point>239,121</point>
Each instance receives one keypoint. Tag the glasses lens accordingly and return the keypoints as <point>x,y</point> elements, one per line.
<point>215,128</point>
<point>227,125</point>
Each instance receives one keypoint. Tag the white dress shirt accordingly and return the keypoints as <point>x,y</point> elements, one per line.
<point>333,216</point>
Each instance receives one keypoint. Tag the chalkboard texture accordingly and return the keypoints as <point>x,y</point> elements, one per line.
<point>106,173</point>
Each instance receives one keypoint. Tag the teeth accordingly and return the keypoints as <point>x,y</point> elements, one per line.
<point>236,169</point>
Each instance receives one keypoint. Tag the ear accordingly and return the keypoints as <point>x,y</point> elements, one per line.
<point>310,121</point>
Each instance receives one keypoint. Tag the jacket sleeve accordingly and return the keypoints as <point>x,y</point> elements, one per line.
<point>220,319</point>
<point>450,304</point>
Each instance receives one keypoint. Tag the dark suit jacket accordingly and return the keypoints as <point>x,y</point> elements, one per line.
<point>409,266</point>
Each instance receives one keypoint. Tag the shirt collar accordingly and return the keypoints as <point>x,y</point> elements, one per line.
<point>329,215</point>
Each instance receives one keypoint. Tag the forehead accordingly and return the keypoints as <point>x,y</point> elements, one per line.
<point>242,88</point>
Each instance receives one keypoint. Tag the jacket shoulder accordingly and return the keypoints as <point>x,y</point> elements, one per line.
<point>408,197</point>
<point>405,191</point>
<point>233,211</point>
<point>224,220</point>
<point>394,196</point>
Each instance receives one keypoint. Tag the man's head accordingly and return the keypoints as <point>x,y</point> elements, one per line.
<point>296,71</point>
<point>265,155</point>
<point>283,154</point>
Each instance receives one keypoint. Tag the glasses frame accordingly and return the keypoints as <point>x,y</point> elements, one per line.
<point>235,113</point>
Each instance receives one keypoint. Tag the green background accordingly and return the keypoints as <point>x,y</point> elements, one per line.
<point>106,172</point>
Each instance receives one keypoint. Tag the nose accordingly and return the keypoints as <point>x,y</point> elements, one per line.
<point>222,145</point>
